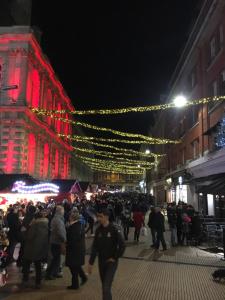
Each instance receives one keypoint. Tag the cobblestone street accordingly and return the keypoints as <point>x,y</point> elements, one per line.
<point>180,273</point>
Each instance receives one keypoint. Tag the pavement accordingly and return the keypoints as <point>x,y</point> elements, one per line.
<point>180,273</point>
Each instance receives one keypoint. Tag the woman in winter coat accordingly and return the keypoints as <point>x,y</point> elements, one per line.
<point>75,250</point>
<point>35,247</point>
<point>138,218</point>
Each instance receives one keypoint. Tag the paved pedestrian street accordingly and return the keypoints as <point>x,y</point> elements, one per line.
<point>180,273</point>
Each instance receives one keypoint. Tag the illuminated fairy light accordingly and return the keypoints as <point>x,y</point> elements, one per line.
<point>99,152</point>
<point>20,187</point>
<point>116,171</point>
<point>117,160</point>
<point>151,140</point>
<point>92,138</point>
<point>139,153</point>
<point>118,166</point>
<point>204,100</point>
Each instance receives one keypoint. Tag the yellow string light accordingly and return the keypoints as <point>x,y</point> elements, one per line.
<point>130,109</point>
<point>150,140</point>
<point>117,160</point>
<point>115,170</point>
<point>117,167</point>
<point>132,152</point>
<point>92,138</point>
<point>98,152</point>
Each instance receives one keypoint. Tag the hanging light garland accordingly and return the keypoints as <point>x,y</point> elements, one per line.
<point>92,138</point>
<point>117,165</point>
<point>204,100</point>
<point>150,140</point>
<point>117,160</point>
<point>125,151</point>
<point>116,171</point>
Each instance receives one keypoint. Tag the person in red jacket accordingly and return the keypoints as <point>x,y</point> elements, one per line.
<point>138,218</point>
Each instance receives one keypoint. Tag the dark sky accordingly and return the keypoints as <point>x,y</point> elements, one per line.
<point>114,53</point>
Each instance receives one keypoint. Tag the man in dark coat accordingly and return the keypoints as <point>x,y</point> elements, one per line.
<point>35,248</point>
<point>14,232</point>
<point>160,228</point>
<point>109,246</point>
<point>75,250</point>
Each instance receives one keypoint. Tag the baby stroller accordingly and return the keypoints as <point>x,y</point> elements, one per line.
<point>3,257</point>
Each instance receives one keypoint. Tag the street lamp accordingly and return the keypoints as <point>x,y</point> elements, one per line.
<point>180,101</point>
<point>147,151</point>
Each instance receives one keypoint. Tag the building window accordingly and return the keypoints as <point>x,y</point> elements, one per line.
<point>221,36</point>
<point>222,83</point>
<point>213,91</point>
<point>183,156</point>
<point>213,47</point>
<point>192,79</point>
<point>195,148</point>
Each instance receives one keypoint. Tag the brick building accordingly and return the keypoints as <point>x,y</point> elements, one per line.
<point>193,170</point>
<point>29,143</point>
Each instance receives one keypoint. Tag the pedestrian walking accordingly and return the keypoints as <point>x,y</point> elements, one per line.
<point>35,248</point>
<point>138,218</point>
<point>57,240</point>
<point>160,228</point>
<point>109,245</point>
<point>75,250</point>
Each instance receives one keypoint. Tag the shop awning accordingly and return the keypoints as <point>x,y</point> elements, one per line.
<point>214,184</point>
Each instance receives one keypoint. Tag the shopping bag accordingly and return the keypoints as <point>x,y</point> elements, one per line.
<point>144,231</point>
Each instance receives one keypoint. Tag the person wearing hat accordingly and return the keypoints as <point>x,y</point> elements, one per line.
<point>109,245</point>
<point>75,250</point>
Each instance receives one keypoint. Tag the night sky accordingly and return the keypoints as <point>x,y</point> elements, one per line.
<point>115,53</point>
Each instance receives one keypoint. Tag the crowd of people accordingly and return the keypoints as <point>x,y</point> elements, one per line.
<point>45,231</point>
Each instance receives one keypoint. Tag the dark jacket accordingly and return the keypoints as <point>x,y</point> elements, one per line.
<point>108,243</point>
<point>151,220</point>
<point>159,222</point>
<point>14,226</point>
<point>36,242</point>
<point>172,217</point>
<point>75,247</point>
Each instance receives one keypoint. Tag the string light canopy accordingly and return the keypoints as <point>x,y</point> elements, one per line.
<point>116,160</point>
<point>150,140</point>
<point>130,109</point>
<point>128,152</point>
<point>116,171</point>
<point>108,140</point>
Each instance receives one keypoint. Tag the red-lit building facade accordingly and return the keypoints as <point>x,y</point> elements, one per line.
<point>193,171</point>
<point>29,143</point>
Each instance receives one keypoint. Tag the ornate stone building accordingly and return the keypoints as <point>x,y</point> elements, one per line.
<point>28,143</point>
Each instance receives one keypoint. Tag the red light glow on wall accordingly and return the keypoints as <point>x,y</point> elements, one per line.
<point>46,160</point>
<point>31,152</point>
